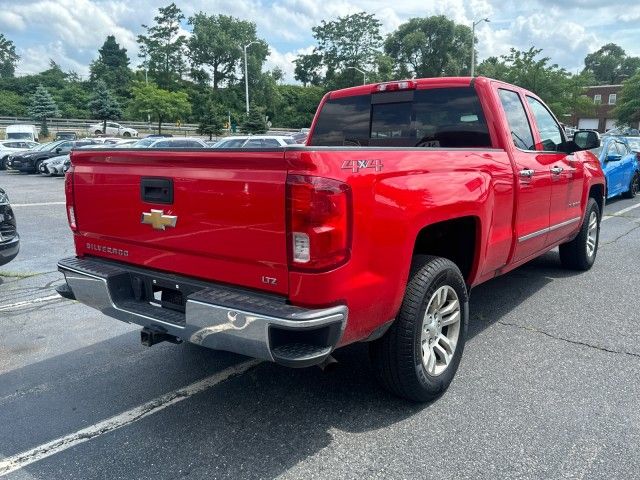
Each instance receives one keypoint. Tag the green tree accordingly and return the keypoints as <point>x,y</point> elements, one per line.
<point>103,104</point>
<point>12,104</point>
<point>349,41</point>
<point>255,122</point>
<point>606,63</point>
<point>627,111</point>
<point>43,107</point>
<point>431,47</point>
<point>297,106</point>
<point>212,120</point>
<point>112,67</point>
<point>8,57</point>
<point>308,69</point>
<point>162,48</point>
<point>217,43</point>
<point>161,104</point>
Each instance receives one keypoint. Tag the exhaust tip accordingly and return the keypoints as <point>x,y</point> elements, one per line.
<point>329,364</point>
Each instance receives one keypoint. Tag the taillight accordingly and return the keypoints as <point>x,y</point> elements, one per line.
<point>68,191</point>
<point>319,222</point>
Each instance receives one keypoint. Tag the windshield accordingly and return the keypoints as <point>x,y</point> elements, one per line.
<point>439,117</point>
<point>49,147</point>
<point>19,136</point>
<point>145,142</point>
<point>634,143</point>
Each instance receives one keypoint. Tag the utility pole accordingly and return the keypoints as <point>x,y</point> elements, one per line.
<point>246,74</point>
<point>364,74</point>
<point>473,44</point>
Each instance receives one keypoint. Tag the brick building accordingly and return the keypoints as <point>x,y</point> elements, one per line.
<point>605,98</point>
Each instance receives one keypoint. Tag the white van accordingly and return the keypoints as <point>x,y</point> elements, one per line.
<point>21,132</point>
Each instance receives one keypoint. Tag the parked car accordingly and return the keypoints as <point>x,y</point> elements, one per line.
<point>170,142</point>
<point>620,166</point>
<point>407,195</point>
<point>255,141</point>
<point>66,135</point>
<point>21,132</point>
<point>9,147</point>
<point>113,128</point>
<point>54,166</point>
<point>9,238</point>
<point>30,161</point>
<point>622,131</point>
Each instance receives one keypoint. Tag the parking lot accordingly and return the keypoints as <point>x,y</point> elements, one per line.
<point>548,387</point>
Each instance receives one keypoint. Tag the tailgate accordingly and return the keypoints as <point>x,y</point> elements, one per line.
<point>214,215</point>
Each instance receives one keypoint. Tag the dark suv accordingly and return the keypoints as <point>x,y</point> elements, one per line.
<point>30,161</point>
<point>9,239</point>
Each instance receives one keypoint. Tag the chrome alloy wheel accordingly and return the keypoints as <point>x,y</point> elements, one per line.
<point>592,234</point>
<point>440,330</point>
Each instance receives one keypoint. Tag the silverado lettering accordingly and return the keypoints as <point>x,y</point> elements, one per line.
<point>479,178</point>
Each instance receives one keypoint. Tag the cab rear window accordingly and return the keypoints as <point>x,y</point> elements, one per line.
<point>436,118</point>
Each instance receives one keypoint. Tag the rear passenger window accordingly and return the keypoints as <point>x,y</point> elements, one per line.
<point>253,143</point>
<point>517,119</point>
<point>550,132</point>
<point>271,143</point>
<point>436,117</point>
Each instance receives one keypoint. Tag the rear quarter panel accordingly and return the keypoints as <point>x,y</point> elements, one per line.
<point>410,189</point>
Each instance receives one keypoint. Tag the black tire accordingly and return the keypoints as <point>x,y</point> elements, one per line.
<point>634,186</point>
<point>3,163</point>
<point>397,358</point>
<point>98,132</point>
<point>37,166</point>
<point>126,135</point>
<point>574,254</point>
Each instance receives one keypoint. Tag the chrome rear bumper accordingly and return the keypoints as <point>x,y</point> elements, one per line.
<point>219,317</point>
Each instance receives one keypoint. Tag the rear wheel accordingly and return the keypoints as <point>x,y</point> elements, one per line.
<point>580,253</point>
<point>37,166</point>
<point>418,356</point>
<point>98,132</point>
<point>3,163</point>
<point>634,186</point>
<point>126,134</point>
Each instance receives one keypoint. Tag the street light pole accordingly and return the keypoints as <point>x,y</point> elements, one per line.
<point>473,44</point>
<point>246,75</point>
<point>364,74</point>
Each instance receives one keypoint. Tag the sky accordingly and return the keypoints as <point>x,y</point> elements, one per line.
<point>71,31</point>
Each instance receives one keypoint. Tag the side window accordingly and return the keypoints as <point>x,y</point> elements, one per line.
<point>271,143</point>
<point>65,147</point>
<point>622,148</point>
<point>517,118</point>
<point>550,131</point>
<point>253,143</point>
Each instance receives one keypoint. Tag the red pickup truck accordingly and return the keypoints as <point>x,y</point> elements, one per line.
<point>406,196</point>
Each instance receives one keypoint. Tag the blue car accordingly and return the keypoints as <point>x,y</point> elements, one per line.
<point>620,166</point>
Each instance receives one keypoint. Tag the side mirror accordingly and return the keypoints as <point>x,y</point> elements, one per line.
<point>614,157</point>
<point>58,150</point>
<point>586,139</point>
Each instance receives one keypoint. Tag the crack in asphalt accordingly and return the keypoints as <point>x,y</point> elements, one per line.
<point>604,244</point>
<point>529,328</point>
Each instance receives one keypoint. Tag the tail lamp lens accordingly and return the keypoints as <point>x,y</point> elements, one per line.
<point>68,190</point>
<point>319,224</point>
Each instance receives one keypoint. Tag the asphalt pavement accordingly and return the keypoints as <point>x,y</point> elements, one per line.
<point>548,387</point>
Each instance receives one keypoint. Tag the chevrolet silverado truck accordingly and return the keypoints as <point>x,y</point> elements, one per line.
<point>406,196</point>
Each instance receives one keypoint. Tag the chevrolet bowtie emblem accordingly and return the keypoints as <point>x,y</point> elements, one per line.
<point>158,220</point>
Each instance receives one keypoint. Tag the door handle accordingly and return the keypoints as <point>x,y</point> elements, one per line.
<point>526,173</point>
<point>557,170</point>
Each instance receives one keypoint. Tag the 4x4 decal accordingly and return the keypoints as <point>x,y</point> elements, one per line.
<point>356,165</point>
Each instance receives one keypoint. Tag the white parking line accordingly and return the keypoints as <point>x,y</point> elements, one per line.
<point>43,204</point>
<point>621,212</point>
<point>13,306</point>
<point>58,445</point>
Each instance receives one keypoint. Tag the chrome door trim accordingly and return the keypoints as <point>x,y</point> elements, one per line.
<point>552,228</point>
